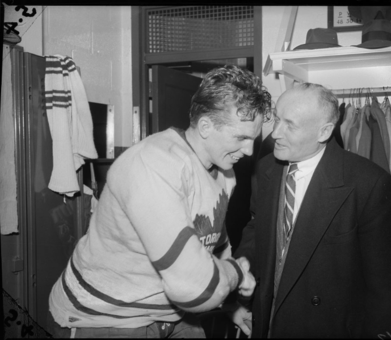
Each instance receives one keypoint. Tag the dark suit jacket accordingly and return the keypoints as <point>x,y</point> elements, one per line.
<point>337,276</point>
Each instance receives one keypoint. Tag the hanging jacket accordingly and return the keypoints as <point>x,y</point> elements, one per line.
<point>378,153</point>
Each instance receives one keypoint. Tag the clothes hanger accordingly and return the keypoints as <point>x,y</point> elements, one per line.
<point>367,108</point>
<point>387,108</point>
<point>359,103</point>
<point>374,99</point>
<point>355,98</point>
<point>383,104</point>
<point>367,98</point>
<point>367,111</point>
<point>386,97</point>
<point>350,97</point>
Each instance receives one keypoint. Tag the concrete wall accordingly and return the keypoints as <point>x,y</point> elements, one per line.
<point>98,38</point>
<point>31,31</point>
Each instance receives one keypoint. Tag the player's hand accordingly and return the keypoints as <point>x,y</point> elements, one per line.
<point>247,286</point>
<point>240,316</point>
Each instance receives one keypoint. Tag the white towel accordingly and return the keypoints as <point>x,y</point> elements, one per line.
<point>70,123</point>
<point>8,200</point>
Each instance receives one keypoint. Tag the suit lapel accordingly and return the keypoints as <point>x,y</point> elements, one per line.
<point>266,219</point>
<point>325,195</point>
<point>269,189</point>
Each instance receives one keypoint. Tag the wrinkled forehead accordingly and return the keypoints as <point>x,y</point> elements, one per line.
<point>299,97</point>
<point>249,129</point>
<point>298,105</point>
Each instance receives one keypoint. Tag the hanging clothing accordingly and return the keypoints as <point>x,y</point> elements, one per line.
<point>70,123</point>
<point>367,131</point>
<point>346,125</point>
<point>361,118</point>
<point>385,104</point>
<point>388,122</point>
<point>381,119</point>
<point>351,143</point>
<point>378,153</point>
<point>364,144</point>
<point>342,119</point>
<point>337,129</point>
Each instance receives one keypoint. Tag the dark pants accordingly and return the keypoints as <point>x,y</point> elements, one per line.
<point>188,327</point>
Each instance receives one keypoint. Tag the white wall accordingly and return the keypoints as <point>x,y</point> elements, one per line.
<point>98,39</point>
<point>307,17</point>
<point>29,28</point>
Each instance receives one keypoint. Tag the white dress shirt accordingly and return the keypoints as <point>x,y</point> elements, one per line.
<point>303,178</point>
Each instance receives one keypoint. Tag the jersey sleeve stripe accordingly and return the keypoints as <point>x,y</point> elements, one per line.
<point>221,248</point>
<point>175,250</point>
<point>108,299</point>
<point>206,294</point>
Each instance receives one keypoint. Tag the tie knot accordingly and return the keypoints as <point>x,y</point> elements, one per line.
<point>292,169</point>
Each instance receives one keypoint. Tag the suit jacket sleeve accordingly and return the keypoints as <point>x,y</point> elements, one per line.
<point>247,245</point>
<point>375,243</point>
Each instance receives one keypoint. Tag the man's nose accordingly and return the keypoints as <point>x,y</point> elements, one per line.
<point>276,133</point>
<point>248,148</point>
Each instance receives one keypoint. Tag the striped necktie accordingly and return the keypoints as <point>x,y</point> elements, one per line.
<point>290,188</point>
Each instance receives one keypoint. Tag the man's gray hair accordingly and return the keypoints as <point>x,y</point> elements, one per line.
<point>328,101</point>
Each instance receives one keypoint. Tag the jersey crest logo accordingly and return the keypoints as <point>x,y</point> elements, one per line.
<point>207,232</point>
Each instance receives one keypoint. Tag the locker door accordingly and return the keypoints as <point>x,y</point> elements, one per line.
<point>53,221</point>
<point>171,95</point>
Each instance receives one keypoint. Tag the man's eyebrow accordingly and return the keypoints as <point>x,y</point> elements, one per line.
<point>289,121</point>
<point>245,137</point>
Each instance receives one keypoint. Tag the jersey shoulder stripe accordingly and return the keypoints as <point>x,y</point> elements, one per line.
<point>175,250</point>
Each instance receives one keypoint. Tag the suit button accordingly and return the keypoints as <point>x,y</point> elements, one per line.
<point>315,300</point>
<point>258,281</point>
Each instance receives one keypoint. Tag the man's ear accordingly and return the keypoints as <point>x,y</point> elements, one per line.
<point>325,132</point>
<point>205,126</point>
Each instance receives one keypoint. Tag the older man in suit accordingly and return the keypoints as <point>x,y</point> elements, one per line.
<point>319,241</point>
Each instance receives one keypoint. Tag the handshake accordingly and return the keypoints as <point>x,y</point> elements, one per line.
<point>237,311</point>
<point>247,285</point>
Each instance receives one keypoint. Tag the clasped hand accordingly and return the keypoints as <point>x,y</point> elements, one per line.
<point>247,286</point>
<point>238,313</point>
<point>241,316</point>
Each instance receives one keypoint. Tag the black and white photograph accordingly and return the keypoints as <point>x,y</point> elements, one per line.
<point>195,171</point>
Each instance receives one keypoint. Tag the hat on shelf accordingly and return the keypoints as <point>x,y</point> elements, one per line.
<point>376,34</point>
<point>11,37</point>
<point>319,38</point>
<point>368,13</point>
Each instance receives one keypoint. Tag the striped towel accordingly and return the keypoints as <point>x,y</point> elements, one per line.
<point>70,123</point>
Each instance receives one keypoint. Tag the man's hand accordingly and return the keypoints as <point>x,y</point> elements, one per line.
<point>247,286</point>
<point>240,316</point>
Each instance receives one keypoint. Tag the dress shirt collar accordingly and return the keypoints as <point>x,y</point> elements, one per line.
<point>309,165</point>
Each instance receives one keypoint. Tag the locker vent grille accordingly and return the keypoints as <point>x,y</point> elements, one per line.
<point>189,28</point>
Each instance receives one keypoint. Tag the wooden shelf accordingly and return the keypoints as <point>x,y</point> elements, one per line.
<point>341,64</point>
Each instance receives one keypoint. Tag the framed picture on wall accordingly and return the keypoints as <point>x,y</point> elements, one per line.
<point>338,19</point>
